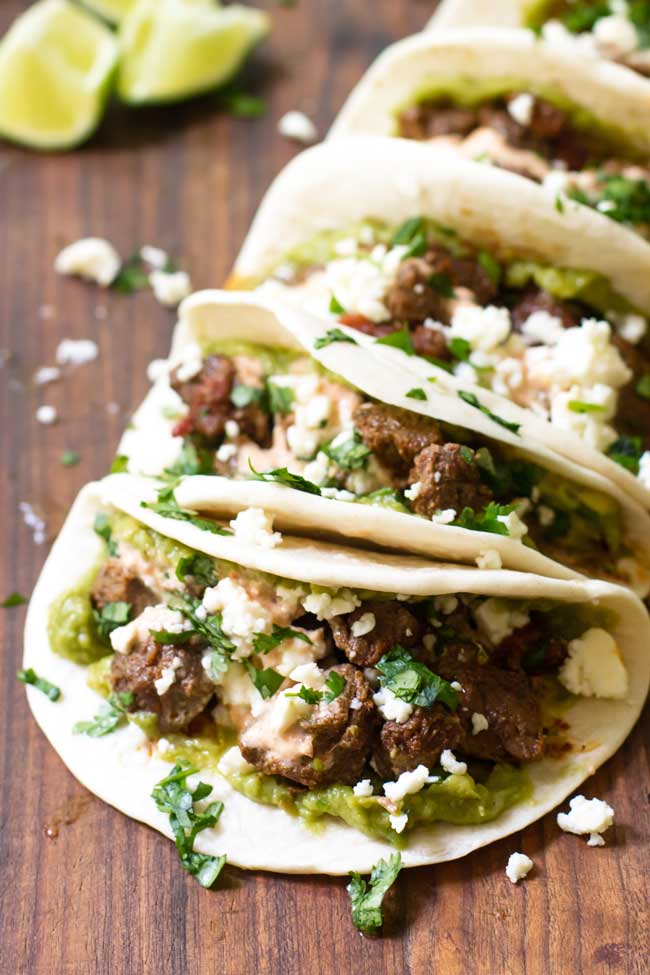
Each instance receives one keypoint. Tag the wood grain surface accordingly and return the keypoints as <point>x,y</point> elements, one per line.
<point>84,890</point>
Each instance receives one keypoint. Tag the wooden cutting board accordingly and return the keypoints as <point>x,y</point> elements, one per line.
<point>83,889</point>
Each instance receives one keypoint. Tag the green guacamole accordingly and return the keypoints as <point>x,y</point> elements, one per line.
<point>71,626</point>
<point>458,799</point>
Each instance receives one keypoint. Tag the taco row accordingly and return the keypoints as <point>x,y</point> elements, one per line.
<point>373,557</point>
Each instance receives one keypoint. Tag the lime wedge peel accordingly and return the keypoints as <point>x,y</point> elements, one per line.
<point>111,10</point>
<point>174,49</point>
<point>56,67</point>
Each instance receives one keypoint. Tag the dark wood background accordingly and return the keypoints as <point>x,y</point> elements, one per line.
<point>84,889</point>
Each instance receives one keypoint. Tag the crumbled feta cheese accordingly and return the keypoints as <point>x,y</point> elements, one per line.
<point>583,354</point>
<point>242,617</point>
<point>47,414</point>
<point>521,107</point>
<point>154,256</point>
<point>451,765</point>
<point>392,708</point>
<point>456,686</point>
<point>33,521</point>
<point>324,606</point>
<point>160,617</point>
<point>490,559</point>
<point>644,469</point>
<point>479,723</point>
<point>498,620</point>
<point>253,526</point>
<point>156,369</point>
<point>46,374</point>
<point>318,469</point>
<point>190,364</point>
<point>75,352</point>
<point>446,603</point>
<point>167,677</point>
<point>356,704</point>
<point>296,125</point>
<point>231,429</point>
<point>444,517</point>
<point>92,258</point>
<point>288,709</point>
<point>632,327</point>
<point>398,823</point>
<point>363,625</point>
<point>237,694</point>
<point>593,667</point>
<point>483,328</point>
<point>592,426</point>
<point>346,247</point>
<point>226,452</point>
<point>359,286</point>
<point>170,287</point>
<point>363,788</point>
<point>413,491</point>
<point>518,867</point>
<point>591,816</point>
<point>615,36</point>
<point>407,784</point>
<point>232,762</point>
<point>542,327</point>
<point>545,516</point>
<point>516,527</point>
<point>310,675</point>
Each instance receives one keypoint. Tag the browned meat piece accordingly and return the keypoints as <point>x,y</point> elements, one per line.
<point>447,480</point>
<point>419,740</point>
<point>411,298</point>
<point>430,342</point>
<point>633,412</point>
<point>368,327</point>
<point>542,654</point>
<point>431,119</point>
<point>394,624</point>
<point>495,116</point>
<point>114,584</point>
<point>185,699</point>
<point>505,698</point>
<point>330,745</point>
<point>395,436</point>
<point>208,397</point>
<point>463,272</point>
<point>547,121</point>
<point>534,299</point>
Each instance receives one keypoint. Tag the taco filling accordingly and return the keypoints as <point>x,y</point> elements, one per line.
<point>542,140</point>
<point>246,411</point>
<point>387,711</point>
<point>556,341</point>
<point>618,30</point>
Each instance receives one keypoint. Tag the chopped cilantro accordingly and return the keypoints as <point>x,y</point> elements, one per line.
<point>111,714</point>
<point>333,335</point>
<point>460,348</point>
<point>172,638</point>
<point>69,458</point>
<point>579,406</point>
<point>642,386</point>
<point>198,567</point>
<point>265,642</point>
<point>102,527</point>
<point>413,682</point>
<point>13,599</point>
<point>191,460</point>
<point>282,476</point>
<point>350,455</point>
<point>210,630</point>
<point>336,308</point>
<point>467,454</point>
<point>110,616</point>
<point>266,681</point>
<point>486,520</point>
<point>120,464</point>
<point>490,265</point>
<point>307,694</point>
<point>412,235</point>
<point>416,393</point>
<point>176,799</point>
<point>280,398</point>
<point>168,507</point>
<point>240,104</point>
<point>581,17</point>
<point>401,339</point>
<point>472,400</point>
<point>442,283</point>
<point>618,197</point>
<point>627,451</point>
<point>132,276</point>
<point>559,203</point>
<point>243,395</point>
<point>30,676</point>
<point>367,897</point>
<point>335,685</point>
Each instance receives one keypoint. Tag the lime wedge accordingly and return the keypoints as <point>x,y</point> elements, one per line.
<point>111,10</point>
<point>173,49</point>
<point>56,63</point>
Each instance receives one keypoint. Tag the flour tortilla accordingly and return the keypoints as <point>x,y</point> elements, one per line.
<point>122,769</point>
<point>210,317</point>
<point>478,55</point>
<point>474,13</point>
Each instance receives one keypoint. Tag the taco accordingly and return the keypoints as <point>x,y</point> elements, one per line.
<point>547,309</point>
<point>339,703</point>
<point>314,426</point>
<point>617,30</point>
<point>507,99</point>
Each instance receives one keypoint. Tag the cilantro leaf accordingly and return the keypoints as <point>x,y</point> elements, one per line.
<point>265,642</point>
<point>580,406</point>
<point>241,104</point>
<point>30,676</point>
<point>267,681</point>
<point>460,348</point>
<point>416,393</point>
<point>333,335</point>
<point>280,398</point>
<point>167,506</point>
<point>335,685</point>
<point>198,567</point>
<point>132,276</point>
<point>350,455</point>
<point>486,520</point>
<point>69,458</point>
<point>191,460</point>
<point>283,476</point>
<point>490,265</point>
<point>367,897</point>
<point>307,694</point>
<point>401,339</point>
<point>472,400</point>
<point>110,616</point>
<point>111,714</point>
<point>210,630</point>
<point>627,451</point>
<point>442,283</point>
<point>102,527</point>
<point>13,599</point>
<point>176,799</point>
<point>413,682</point>
<point>172,638</point>
<point>336,308</point>
<point>120,464</point>
<point>413,235</point>
<point>642,386</point>
<point>243,395</point>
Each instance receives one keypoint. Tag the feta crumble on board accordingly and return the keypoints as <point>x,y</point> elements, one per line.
<point>92,258</point>
<point>592,816</point>
<point>296,125</point>
<point>33,521</point>
<point>253,526</point>
<point>170,287</point>
<point>47,415</point>
<point>593,667</point>
<point>154,256</point>
<point>518,867</point>
<point>76,352</point>
<point>450,764</point>
<point>46,374</point>
<point>407,784</point>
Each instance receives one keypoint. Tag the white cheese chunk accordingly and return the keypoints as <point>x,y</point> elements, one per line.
<point>591,816</point>
<point>253,526</point>
<point>490,559</point>
<point>398,823</point>
<point>167,677</point>
<point>363,788</point>
<point>594,667</point>
<point>392,708</point>
<point>483,328</point>
<point>154,256</point>
<point>288,709</point>
<point>75,352</point>
<point>498,620</point>
<point>232,762</point>
<point>644,469</point>
<point>450,764</point>
<point>325,607</point>
<point>160,617</point>
<point>518,867</point>
<point>242,617</point>
<point>479,723</point>
<point>365,624</point>
<point>444,517</point>
<point>92,258</point>
<point>407,784</point>
<point>296,125</point>
<point>520,108</point>
<point>170,287</point>
<point>309,675</point>
<point>615,36</point>
<point>47,415</point>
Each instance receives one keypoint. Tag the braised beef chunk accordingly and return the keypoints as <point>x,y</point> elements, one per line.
<point>367,326</point>
<point>419,740</point>
<point>633,411</point>
<point>411,297</point>
<point>186,698</point>
<point>447,480</point>
<point>534,299</point>
<point>116,584</point>
<point>430,342</point>
<point>208,396</point>
<point>330,745</point>
<point>394,624</point>
<point>532,649</point>
<point>428,120</point>
<point>395,436</point>
<point>504,697</point>
<point>463,272</point>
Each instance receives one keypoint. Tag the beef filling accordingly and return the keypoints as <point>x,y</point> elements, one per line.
<point>394,624</point>
<point>116,584</point>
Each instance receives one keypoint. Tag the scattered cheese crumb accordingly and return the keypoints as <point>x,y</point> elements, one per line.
<point>644,469</point>
<point>232,762</point>
<point>167,677</point>
<point>226,452</point>
<point>407,784</point>
<point>413,491</point>
<point>444,517</point>
<point>33,521</point>
<point>231,429</point>
<point>296,125</point>
<point>76,352</point>
<point>92,258</point>
<point>325,606</point>
<point>363,625</point>
<point>446,603</point>
<point>47,414</point>
<point>591,816</point>
<point>521,107</point>
<point>156,369</point>
<point>154,256</point>
<point>489,559</point>
<point>391,707</point>
<point>456,686</point>
<point>479,723</point>
<point>449,763</point>
<point>363,788</point>
<point>398,823</point>
<point>593,667</point>
<point>518,867</point>
<point>170,287</point>
<point>46,374</point>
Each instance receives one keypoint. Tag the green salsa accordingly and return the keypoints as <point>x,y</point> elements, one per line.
<point>71,627</point>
